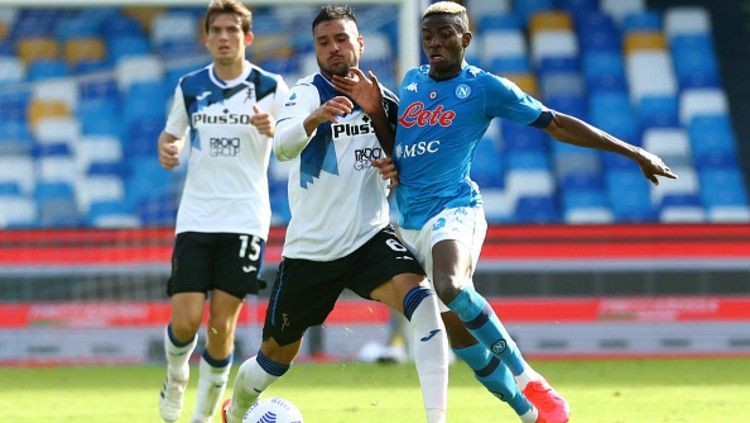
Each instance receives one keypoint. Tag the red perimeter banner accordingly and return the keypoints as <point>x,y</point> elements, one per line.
<point>97,247</point>
<point>525,310</point>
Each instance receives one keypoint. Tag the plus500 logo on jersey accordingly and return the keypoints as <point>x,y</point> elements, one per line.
<point>339,130</point>
<point>415,114</point>
<point>230,119</point>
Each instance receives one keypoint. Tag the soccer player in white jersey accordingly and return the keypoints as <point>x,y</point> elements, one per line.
<point>445,109</point>
<point>339,235</point>
<point>224,216</point>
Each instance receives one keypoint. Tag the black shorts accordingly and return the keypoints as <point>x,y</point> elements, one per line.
<point>202,262</point>
<point>305,291</point>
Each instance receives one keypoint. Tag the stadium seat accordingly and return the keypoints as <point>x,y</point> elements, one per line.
<point>111,214</point>
<point>643,20</point>
<point>712,141</point>
<point>681,209</point>
<point>57,168</point>
<point>550,20</point>
<point>39,109</point>
<point>496,20</point>
<point>486,169</point>
<point>127,45</point>
<point>170,26</point>
<point>574,105</point>
<point>612,112</point>
<point>77,50</point>
<point>18,212</point>
<point>695,61</point>
<point>619,9</point>
<point>502,65</point>
<point>599,33</point>
<point>18,169</point>
<point>518,137</point>
<point>97,149</point>
<point>671,144</point>
<point>628,193</point>
<point>141,68</point>
<point>57,129</point>
<point>650,73</point>
<point>729,214</point>
<point>13,70</point>
<point>144,100</point>
<point>658,111</point>
<point>38,48</point>
<point>64,90</point>
<point>76,27</point>
<point>585,206</point>
<point>525,81</point>
<point>43,69</point>
<point>100,117</point>
<point>686,185</point>
<point>479,8</point>
<point>527,8</point>
<point>604,70</point>
<point>56,204</point>
<point>92,189</point>
<point>569,159</point>
<point>526,160</point>
<point>555,84</point>
<point>504,43</point>
<point>696,102</point>
<point>553,43</point>
<point>536,209</point>
<point>644,41</point>
<point>722,187</point>
<point>144,15</point>
<point>528,183</point>
<point>686,20</point>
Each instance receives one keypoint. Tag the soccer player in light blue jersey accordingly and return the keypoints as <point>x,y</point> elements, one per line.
<point>445,108</point>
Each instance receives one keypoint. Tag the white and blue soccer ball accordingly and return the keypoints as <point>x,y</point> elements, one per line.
<point>273,410</point>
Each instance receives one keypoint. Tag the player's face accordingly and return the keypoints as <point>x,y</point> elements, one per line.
<point>338,46</point>
<point>225,40</point>
<point>443,41</point>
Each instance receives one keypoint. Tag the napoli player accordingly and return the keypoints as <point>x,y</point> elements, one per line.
<point>445,108</point>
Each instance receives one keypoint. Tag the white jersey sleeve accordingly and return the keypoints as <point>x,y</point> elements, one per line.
<point>177,121</point>
<point>291,136</point>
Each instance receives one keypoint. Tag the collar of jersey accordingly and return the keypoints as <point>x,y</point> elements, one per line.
<point>226,84</point>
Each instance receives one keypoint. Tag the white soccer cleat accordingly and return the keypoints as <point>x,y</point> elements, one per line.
<point>171,399</point>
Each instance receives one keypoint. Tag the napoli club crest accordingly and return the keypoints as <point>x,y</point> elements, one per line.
<point>463,91</point>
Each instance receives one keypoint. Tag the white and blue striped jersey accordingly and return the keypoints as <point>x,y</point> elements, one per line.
<point>226,189</point>
<point>439,126</point>
<point>338,201</point>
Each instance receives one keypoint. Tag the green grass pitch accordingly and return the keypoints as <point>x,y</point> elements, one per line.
<point>619,391</point>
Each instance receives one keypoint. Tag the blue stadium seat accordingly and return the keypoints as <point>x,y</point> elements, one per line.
<point>712,140</point>
<point>56,204</point>
<point>522,137</point>
<point>100,117</point>
<point>612,112</point>
<point>583,199</point>
<point>658,111</point>
<point>722,187</point>
<point>145,179</point>
<point>103,209</point>
<point>645,20</point>
<point>122,26</point>
<point>498,21</point>
<point>107,169</point>
<point>526,8</point>
<point>98,89</point>
<point>695,62</point>
<point>141,135</point>
<point>579,9</point>
<point>604,70</point>
<point>558,64</point>
<point>127,45</point>
<point>536,209</point>
<point>527,160</point>
<point>574,105</point>
<point>486,169</point>
<point>582,180</point>
<point>76,27</point>
<point>91,66</point>
<point>158,209</point>
<point>144,100</point>
<point>598,32</point>
<point>509,64</point>
<point>10,189</point>
<point>47,69</point>
<point>629,196</point>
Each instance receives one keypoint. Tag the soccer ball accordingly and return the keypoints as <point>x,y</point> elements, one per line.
<point>273,410</point>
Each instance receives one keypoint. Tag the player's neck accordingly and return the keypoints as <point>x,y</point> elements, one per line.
<point>442,76</point>
<point>231,71</point>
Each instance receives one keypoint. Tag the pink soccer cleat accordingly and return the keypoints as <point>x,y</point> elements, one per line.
<point>551,406</point>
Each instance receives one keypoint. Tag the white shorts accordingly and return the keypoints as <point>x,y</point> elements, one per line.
<point>467,225</point>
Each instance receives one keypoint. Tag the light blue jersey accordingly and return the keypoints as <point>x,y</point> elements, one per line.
<point>440,124</point>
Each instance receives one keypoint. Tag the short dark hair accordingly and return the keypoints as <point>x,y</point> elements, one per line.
<point>331,12</point>
<point>232,7</point>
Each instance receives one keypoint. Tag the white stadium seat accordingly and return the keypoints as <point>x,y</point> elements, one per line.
<point>650,74</point>
<point>709,101</point>
<point>686,20</point>
<point>553,43</point>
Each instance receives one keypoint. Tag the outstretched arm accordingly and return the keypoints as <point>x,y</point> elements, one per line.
<point>574,131</point>
<point>366,93</point>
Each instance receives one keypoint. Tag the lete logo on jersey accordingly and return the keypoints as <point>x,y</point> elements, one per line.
<point>416,114</point>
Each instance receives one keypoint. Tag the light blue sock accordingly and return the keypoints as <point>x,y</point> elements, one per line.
<point>494,375</point>
<point>482,322</point>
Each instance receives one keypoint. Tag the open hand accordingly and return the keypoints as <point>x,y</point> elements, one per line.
<point>363,90</point>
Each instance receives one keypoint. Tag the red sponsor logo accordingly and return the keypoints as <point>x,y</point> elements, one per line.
<point>416,114</point>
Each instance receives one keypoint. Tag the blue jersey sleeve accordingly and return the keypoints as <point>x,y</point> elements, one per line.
<point>503,99</point>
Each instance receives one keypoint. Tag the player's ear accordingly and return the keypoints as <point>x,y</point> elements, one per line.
<point>466,39</point>
<point>361,42</point>
<point>249,37</point>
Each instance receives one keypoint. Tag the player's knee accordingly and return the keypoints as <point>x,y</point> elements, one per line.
<point>184,330</point>
<point>220,329</point>
<point>446,287</point>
